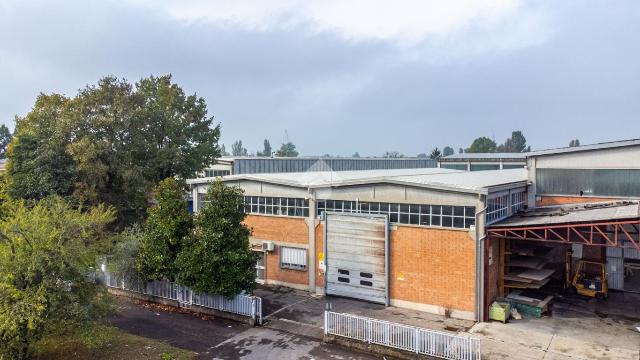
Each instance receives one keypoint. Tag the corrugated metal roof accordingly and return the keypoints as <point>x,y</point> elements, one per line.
<point>437,178</point>
<point>583,213</point>
<point>599,146</point>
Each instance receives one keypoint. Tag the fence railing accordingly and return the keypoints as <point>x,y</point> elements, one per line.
<point>409,338</point>
<point>244,305</point>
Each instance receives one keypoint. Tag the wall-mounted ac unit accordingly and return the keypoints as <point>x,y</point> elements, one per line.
<point>268,246</point>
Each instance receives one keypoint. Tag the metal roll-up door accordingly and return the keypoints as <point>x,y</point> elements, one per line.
<point>356,256</point>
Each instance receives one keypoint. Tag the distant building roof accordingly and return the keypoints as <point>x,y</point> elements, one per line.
<point>435,178</point>
<point>485,156</point>
<point>582,213</point>
<point>590,147</point>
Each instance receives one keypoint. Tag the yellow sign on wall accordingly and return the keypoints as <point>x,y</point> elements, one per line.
<point>320,256</point>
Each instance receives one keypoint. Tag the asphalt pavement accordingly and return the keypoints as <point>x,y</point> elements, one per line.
<point>216,338</point>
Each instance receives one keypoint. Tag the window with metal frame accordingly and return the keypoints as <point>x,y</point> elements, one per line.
<point>293,258</point>
<point>216,173</point>
<point>276,206</point>
<point>462,217</point>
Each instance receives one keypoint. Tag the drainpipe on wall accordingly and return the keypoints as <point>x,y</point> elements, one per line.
<point>480,261</point>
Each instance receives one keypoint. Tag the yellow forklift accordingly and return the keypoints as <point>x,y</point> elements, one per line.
<point>590,278</point>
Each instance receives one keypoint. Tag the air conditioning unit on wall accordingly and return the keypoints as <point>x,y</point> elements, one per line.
<point>268,246</point>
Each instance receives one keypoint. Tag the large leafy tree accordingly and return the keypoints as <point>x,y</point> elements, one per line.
<point>5,139</point>
<point>482,145</point>
<point>515,144</point>
<point>111,143</point>
<point>216,257</point>
<point>287,150</point>
<point>46,251</point>
<point>167,225</point>
<point>448,150</point>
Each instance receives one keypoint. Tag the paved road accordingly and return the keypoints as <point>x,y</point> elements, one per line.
<point>224,339</point>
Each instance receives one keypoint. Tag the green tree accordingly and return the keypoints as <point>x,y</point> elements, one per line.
<point>435,154</point>
<point>266,152</point>
<point>46,251</point>
<point>216,257</point>
<point>167,225</point>
<point>39,165</point>
<point>482,145</point>
<point>111,143</point>
<point>356,155</point>
<point>574,143</point>
<point>392,154</point>
<point>448,150</point>
<point>422,155</point>
<point>460,151</point>
<point>287,150</point>
<point>515,144</point>
<point>5,139</point>
<point>223,151</point>
<point>237,149</point>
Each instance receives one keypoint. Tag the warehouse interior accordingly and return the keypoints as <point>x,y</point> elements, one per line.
<point>585,256</point>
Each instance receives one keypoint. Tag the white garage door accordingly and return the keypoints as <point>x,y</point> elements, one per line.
<point>356,256</point>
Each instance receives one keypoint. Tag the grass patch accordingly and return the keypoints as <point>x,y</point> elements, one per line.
<point>108,343</point>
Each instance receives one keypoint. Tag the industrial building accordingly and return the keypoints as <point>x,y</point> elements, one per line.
<point>442,240</point>
<point>483,161</point>
<point>228,165</point>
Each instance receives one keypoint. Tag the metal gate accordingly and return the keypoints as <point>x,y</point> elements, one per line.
<point>356,256</point>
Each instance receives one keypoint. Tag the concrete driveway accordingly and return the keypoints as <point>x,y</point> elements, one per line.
<point>223,339</point>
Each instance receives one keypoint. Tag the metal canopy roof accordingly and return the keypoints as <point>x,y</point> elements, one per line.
<point>436,178</point>
<point>605,211</point>
<point>614,224</point>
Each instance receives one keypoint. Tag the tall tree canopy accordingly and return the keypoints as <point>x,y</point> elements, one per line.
<point>574,143</point>
<point>164,231</point>
<point>435,154</point>
<point>287,150</point>
<point>448,150</point>
<point>111,143</point>
<point>5,139</point>
<point>392,154</point>
<point>482,145</point>
<point>216,257</point>
<point>266,151</point>
<point>46,250</point>
<point>238,150</point>
<point>517,143</point>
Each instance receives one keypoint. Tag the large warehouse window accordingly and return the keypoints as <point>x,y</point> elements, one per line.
<point>501,207</point>
<point>293,258</point>
<point>414,214</point>
<point>276,206</point>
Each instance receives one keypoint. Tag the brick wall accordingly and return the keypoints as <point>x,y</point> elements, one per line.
<point>562,200</point>
<point>432,266</point>
<point>275,228</point>
<point>281,230</point>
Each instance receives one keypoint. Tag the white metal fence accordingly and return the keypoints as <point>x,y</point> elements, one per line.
<point>245,305</point>
<point>409,338</point>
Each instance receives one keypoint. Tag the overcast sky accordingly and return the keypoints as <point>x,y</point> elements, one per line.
<point>344,76</point>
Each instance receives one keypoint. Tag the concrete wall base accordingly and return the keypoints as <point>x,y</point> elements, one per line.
<point>375,349</point>
<point>434,309</point>
<point>193,308</point>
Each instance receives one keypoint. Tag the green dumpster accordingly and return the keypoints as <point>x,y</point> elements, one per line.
<point>499,311</point>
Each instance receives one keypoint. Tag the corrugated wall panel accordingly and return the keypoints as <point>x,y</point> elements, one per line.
<point>615,273</point>
<point>592,182</point>
<point>275,165</point>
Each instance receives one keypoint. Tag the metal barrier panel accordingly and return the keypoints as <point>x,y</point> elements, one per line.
<point>404,337</point>
<point>250,306</point>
